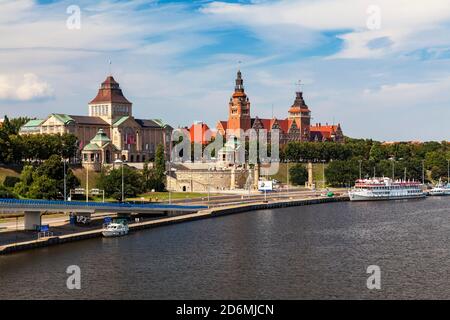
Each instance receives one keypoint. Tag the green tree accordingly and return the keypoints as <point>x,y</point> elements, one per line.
<point>111,182</point>
<point>10,181</point>
<point>378,152</point>
<point>298,174</point>
<point>26,179</point>
<point>342,173</point>
<point>6,193</point>
<point>436,161</point>
<point>44,187</point>
<point>160,169</point>
<point>45,181</point>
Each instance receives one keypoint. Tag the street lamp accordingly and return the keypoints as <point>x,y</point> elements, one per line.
<point>423,171</point>
<point>118,161</point>
<point>360,169</point>
<point>87,183</point>
<point>209,185</point>
<point>323,172</point>
<point>393,169</point>
<point>287,175</point>
<point>448,171</point>
<point>65,181</point>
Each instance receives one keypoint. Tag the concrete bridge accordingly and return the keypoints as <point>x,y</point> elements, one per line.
<point>33,209</point>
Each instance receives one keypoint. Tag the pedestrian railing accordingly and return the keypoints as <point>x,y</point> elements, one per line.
<point>78,204</point>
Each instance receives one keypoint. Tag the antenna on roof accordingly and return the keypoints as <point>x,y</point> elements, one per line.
<point>299,84</point>
<point>239,64</point>
<point>109,67</point>
<point>272,110</point>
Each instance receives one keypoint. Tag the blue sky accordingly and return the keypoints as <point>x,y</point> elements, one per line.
<point>177,60</point>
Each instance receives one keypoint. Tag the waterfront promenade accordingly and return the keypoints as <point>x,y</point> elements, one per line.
<point>155,222</point>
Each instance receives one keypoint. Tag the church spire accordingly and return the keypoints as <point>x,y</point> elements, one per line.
<point>239,82</point>
<point>299,107</point>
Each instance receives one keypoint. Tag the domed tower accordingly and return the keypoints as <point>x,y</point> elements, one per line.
<point>110,103</point>
<point>300,115</point>
<point>239,108</point>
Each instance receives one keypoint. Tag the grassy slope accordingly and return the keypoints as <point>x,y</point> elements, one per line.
<point>81,174</point>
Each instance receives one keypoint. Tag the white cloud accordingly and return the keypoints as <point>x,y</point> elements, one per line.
<point>413,94</point>
<point>401,22</point>
<point>29,87</point>
<point>157,55</point>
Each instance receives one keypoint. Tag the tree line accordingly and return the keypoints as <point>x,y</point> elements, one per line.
<point>428,160</point>
<point>15,148</point>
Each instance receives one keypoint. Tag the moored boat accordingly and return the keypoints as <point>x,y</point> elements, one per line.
<point>116,228</point>
<point>440,190</point>
<point>385,189</point>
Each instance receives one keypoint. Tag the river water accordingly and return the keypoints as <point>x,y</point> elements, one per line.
<point>310,252</point>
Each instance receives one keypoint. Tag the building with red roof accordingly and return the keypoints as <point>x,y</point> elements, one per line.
<point>200,133</point>
<point>296,127</point>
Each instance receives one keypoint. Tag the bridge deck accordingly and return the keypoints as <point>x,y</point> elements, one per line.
<point>8,205</point>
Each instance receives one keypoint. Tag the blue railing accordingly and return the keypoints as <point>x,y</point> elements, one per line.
<point>69,204</point>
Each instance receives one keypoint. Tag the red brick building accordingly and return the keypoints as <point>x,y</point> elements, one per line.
<point>296,127</point>
<point>200,133</point>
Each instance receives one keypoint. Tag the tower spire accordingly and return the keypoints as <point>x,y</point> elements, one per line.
<point>299,85</point>
<point>239,82</point>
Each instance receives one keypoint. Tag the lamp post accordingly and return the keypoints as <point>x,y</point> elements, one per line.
<point>118,161</point>
<point>360,169</point>
<point>65,181</point>
<point>209,185</point>
<point>170,183</point>
<point>393,169</point>
<point>287,176</point>
<point>423,171</point>
<point>448,171</point>
<point>87,184</point>
<point>323,172</point>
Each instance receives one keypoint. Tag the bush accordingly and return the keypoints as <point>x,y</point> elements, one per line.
<point>111,182</point>
<point>10,181</point>
<point>5,193</point>
<point>298,174</point>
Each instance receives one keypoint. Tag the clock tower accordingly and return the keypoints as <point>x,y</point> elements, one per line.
<point>239,108</point>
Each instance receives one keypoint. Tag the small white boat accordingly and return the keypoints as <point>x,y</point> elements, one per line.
<point>440,190</point>
<point>115,229</point>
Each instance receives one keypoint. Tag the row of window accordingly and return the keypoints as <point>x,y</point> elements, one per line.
<point>147,147</point>
<point>100,110</point>
<point>95,157</point>
<point>103,110</point>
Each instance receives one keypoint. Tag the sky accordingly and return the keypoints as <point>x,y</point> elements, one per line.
<point>379,68</point>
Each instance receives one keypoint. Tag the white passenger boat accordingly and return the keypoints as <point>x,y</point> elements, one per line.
<point>115,229</point>
<point>385,189</point>
<point>440,190</point>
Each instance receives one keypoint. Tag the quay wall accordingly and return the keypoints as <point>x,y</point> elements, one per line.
<point>203,214</point>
